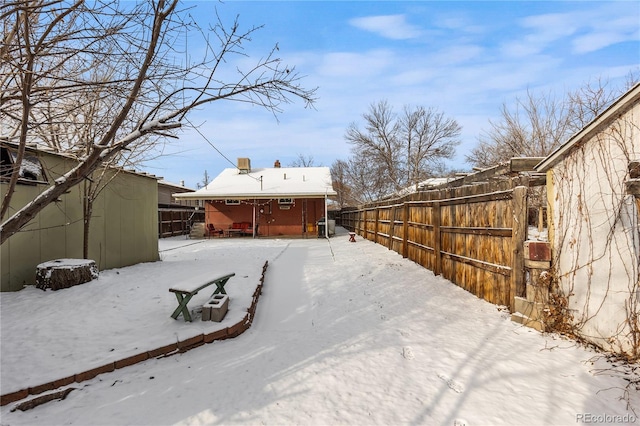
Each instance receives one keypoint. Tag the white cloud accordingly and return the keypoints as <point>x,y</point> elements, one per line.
<point>585,31</point>
<point>457,54</point>
<point>550,26</point>
<point>458,22</point>
<point>465,73</point>
<point>394,27</point>
<point>601,35</point>
<point>595,41</point>
<point>543,31</point>
<point>349,64</point>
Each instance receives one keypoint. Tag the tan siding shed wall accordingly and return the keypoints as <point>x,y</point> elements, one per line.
<point>123,227</point>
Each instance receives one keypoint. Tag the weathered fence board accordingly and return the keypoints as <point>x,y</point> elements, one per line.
<point>472,236</point>
<point>176,222</point>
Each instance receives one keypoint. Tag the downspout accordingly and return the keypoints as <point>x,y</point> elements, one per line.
<point>254,216</point>
<point>326,217</point>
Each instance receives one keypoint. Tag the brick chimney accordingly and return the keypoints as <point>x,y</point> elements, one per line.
<point>277,164</point>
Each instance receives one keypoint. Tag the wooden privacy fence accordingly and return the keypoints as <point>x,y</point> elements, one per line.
<point>473,239</point>
<point>176,222</point>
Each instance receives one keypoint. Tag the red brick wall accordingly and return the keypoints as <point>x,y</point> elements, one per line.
<point>274,221</point>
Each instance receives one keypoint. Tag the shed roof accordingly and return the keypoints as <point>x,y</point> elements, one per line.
<point>623,103</point>
<point>44,150</point>
<point>180,186</point>
<point>275,182</point>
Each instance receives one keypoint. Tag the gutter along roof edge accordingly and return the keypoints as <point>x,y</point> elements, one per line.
<point>257,196</point>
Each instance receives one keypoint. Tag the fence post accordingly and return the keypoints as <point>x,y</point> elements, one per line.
<point>376,219</point>
<point>405,230</point>
<point>392,226</point>
<point>518,236</point>
<point>437,268</point>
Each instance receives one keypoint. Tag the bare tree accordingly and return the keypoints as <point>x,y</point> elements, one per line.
<point>205,180</point>
<point>430,137</point>
<point>303,161</point>
<point>587,102</point>
<point>366,180</point>
<point>48,53</point>
<point>72,125</point>
<point>533,128</point>
<point>632,78</point>
<point>379,142</point>
<point>341,181</point>
<point>399,151</point>
<point>540,123</point>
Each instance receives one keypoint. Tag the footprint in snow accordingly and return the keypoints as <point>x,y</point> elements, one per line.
<point>460,422</point>
<point>455,386</point>
<point>407,353</point>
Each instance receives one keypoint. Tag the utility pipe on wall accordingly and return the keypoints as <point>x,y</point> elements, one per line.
<point>326,217</point>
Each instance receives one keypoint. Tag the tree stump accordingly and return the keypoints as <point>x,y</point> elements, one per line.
<point>63,273</point>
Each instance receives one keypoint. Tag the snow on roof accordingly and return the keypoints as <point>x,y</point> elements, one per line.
<point>175,185</point>
<point>421,186</point>
<point>277,182</point>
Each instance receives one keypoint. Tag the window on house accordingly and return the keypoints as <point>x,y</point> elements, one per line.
<point>285,201</point>
<point>232,202</point>
<point>31,170</point>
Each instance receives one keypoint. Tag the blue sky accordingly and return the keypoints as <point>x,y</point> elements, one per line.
<point>463,58</point>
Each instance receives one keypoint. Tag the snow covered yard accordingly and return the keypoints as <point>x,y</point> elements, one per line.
<point>344,334</point>
<point>51,335</point>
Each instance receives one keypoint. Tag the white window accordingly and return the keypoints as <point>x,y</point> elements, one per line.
<point>31,170</point>
<point>232,202</point>
<point>285,200</point>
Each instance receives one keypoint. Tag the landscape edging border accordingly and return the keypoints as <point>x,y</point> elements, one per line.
<point>167,350</point>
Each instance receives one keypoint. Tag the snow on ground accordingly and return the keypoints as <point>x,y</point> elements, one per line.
<point>535,234</point>
<point>344,333</point>
<point>55,334</point>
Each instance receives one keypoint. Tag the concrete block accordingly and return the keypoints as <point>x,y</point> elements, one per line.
<point>529,308</point>
<point>206,312</point>
<point>537,264</point>
<point>216,308</point>
<point>536,293</point>
<point>527,322</point>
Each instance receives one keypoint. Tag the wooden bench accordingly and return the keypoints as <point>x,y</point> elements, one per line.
<point>185,291</point>
<point>240,228</point>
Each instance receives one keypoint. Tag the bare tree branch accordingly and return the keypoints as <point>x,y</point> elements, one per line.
<point>97,79</point>
<point>538,124</point>
<point>394,152</point>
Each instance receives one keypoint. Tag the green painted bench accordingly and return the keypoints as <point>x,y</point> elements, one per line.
<point>185,291</point>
